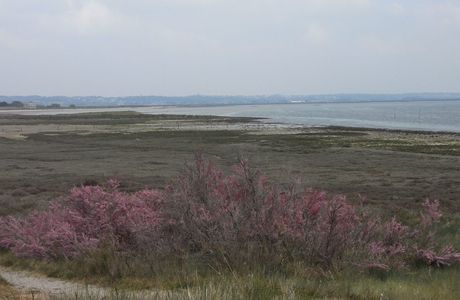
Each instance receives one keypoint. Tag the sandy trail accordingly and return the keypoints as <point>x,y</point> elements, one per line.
<point>28,282</point>
<point>36,286</point>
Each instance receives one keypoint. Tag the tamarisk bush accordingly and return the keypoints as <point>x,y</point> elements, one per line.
<point>237,219</point>
<point>89,216</point>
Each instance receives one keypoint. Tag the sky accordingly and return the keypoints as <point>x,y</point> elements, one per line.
<point>223,47</point>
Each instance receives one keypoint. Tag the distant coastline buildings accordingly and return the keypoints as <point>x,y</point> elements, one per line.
<point>30,105</point>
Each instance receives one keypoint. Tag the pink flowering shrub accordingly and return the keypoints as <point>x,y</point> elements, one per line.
<point>397,245</point>
<point>244,216</point>
<point>446,257</point>
<point>239,219</point>
<point>89,216</point>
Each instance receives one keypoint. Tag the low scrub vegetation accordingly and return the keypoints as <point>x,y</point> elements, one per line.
<point>231,223</point>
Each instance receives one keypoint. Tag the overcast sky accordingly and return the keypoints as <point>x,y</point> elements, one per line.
<point>182,47</point>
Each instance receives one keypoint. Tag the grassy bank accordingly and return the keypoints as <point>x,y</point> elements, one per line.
<point>420,284</point>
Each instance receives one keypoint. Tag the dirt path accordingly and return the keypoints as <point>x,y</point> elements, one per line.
<point>36,286</point>
<point>30,283</point>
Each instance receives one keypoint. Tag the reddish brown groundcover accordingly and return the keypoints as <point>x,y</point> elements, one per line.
<point>241,217</point>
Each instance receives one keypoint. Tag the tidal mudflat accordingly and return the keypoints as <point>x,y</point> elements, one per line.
<point>43,156</point>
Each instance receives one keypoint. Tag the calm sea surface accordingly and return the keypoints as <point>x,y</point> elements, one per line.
<point>414,115</point>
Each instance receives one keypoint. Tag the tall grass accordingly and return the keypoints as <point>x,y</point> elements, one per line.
<point>424,284</point>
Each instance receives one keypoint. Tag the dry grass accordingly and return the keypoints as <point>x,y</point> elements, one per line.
<point>302,283</point>
<point>422,285</point>
<point>7,292</point>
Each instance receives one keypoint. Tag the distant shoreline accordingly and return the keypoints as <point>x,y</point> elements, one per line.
<point>232,104</point>
<point>103,110</point>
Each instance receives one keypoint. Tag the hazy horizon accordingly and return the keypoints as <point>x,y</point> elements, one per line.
<point>223,48</point>
<point>433,94</point>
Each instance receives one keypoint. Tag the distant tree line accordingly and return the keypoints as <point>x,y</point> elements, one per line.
<point>12,104</point>
<point>19,104</point>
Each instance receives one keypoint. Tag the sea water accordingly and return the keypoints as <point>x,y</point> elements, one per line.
<point>408,115</point>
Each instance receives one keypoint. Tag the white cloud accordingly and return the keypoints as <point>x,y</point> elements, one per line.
<point>376,45</point>
<point>193,2</point>
<point>261,5</point>
<point>396,8</point>
<point>92,17</point>
<point>333,5</point>
<point>448,12</point>
<point>317,34</point>
<point>340,2</point>
<point>445,11</point>
<point>12,41</point>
